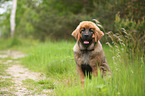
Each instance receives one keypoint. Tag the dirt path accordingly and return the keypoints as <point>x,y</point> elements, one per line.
<point>16,74</point>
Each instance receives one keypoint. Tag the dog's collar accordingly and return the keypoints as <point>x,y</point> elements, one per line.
<point>85,50</point>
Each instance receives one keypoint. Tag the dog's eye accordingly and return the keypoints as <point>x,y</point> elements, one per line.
<point>82,30</point>
<point>91,30</point>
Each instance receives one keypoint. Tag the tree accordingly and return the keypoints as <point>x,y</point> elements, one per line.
<point>12,17</point>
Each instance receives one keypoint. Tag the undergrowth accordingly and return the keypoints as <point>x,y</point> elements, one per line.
<point>56,60</point>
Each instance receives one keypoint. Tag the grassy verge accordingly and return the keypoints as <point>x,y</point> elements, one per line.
<point>18,44</point>
<point>56,60</point>
<point>4,82</point>
<point>43,87</point>
<point>5,79</point>
<point>51,58</point>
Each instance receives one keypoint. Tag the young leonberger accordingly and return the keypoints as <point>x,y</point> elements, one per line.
<point>88,51</point>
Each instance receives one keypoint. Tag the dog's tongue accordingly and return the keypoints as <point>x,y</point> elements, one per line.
<point>86,42</point>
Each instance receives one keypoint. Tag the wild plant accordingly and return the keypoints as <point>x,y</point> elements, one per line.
<point>128,39</point>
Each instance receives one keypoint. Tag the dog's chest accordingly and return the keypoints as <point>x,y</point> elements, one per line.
<point>86,57</point>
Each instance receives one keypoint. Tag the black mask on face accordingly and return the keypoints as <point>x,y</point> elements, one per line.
<point>86,38</point>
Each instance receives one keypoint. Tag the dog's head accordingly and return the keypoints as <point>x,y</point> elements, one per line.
<point>87,32</point>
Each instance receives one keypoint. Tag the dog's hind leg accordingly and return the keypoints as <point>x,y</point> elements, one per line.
<point>104,68</point>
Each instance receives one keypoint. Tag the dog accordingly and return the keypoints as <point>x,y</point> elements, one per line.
<point>88,51</point>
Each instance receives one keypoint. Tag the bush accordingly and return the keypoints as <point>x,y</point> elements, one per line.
<point>129,24</point>
<point>129,33</point>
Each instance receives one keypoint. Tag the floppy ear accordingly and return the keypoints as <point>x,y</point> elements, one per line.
<point>76,33</point>
<point>98,34</point>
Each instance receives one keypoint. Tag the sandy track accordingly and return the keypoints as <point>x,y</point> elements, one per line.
<point>18,73</point>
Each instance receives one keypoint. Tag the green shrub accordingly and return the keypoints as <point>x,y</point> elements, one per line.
<point>129,24</point>
<point>130,34</point>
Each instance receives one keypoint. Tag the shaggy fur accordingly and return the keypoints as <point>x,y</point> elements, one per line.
<point>89,57</point>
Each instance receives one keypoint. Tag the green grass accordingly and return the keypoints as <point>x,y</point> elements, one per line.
<point>128,80</point>
<point>47,84</point>
<point>51,58</point>
<point>36,87</point>
<point>18,44</point>
<point>56,60</point>
<point>5,82</point>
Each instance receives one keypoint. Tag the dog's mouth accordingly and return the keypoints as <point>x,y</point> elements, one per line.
<point>86,42</point>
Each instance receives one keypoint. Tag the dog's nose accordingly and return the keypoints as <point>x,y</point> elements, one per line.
<point>86,35</point>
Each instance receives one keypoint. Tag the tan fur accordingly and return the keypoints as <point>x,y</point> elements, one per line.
<point>88,24</point>
<point>96,58</point>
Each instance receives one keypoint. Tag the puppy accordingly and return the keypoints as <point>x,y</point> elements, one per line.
<point>88,51</point>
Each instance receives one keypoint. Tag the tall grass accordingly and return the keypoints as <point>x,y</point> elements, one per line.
<point>51,58</point>
<point>56,60</point>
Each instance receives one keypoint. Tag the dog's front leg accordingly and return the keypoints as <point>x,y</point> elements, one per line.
<point>81,75</point>
<point>94,71</point>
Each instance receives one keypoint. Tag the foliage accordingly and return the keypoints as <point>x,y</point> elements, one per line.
<point>5,25</point>
<point>56,19</point>
<point>130,33</point>
<point>15,42</point>
<point>129,24</point>
<point>131,8</point>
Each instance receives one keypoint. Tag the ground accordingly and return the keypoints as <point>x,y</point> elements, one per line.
<point>16,80</point>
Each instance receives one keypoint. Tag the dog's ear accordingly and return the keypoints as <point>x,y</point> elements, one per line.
<point>76,33</point>
<point>98,34</point>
